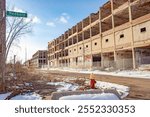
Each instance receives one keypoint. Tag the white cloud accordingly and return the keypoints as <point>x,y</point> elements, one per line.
<point>17,9</point>
<point>63,20</point>
<point>66,15</point>
<point>27,20</point>
<point>32,19</point>
<point>51,24</point>
<point>35,20</point>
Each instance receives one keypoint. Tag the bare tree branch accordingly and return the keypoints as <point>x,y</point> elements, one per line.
<point>17,27</point>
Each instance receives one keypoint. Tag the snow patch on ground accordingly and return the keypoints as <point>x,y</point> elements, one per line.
<point>69,79</point>
<point>131,74</point>
<point>122,90</point>
<point>103,96</point>
<point>136,74</point>
<point>27,84</point>
<point>126,73</point>
<point>27,96</point>
<point>4,96</point>
<point>64,86</point>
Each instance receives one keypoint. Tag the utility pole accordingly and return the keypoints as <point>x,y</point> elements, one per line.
<point>3,40</point>
<point>14,71</point>
<point>25,54</point>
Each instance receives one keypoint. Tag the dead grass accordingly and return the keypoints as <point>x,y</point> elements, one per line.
<point>139,88</point>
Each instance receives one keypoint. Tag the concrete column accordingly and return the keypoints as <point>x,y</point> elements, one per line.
<point>113,25</point>
<point>132,39</point>
<point>91,64</point>
<point>83,46</point>
<point>100,26</point>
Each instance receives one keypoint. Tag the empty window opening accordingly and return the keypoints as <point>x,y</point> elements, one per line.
<point>70,42</point>
<point>74,39</point>
<point>80,37</point>
<point>96,60</point>
<point>76,60</point>
<point>143,29</point>
<point>107,40</point>
<point>95,44</point>
<point>122,36</point>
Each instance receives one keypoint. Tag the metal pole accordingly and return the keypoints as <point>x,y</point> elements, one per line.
<point>3,42</point>
<point>14,71</point>
<point>25,54</point>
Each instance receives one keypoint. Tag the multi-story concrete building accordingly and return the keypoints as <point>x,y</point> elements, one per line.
<point>117,36</point>
<point>39,59</point>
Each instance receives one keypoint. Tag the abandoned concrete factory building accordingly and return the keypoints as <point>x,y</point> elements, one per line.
<point>38,60</point>
<point>117,36</point>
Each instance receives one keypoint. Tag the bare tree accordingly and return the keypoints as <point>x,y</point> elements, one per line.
<point>15,29</point>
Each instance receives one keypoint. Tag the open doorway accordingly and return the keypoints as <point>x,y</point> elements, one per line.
<point>96,61</point>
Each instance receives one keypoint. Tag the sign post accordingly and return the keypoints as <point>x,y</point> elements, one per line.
<point>0,48</point>
<point>2,14</point>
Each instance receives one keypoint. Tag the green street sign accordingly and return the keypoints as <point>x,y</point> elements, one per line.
<point>16,14</point>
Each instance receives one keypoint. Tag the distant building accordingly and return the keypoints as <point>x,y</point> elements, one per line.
<point>27,63</point>
<point>117,36</point>
<point>39,59</point>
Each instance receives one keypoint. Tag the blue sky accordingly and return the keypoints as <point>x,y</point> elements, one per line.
<point>51,18</point>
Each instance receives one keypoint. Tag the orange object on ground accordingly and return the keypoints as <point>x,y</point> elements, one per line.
<point>92,83</point>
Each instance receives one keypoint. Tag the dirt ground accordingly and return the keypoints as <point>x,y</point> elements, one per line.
<point>139,88</point>
<point>37,82</point>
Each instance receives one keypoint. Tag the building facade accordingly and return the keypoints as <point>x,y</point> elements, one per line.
<point>39,59</point>
<point>116,37</point>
